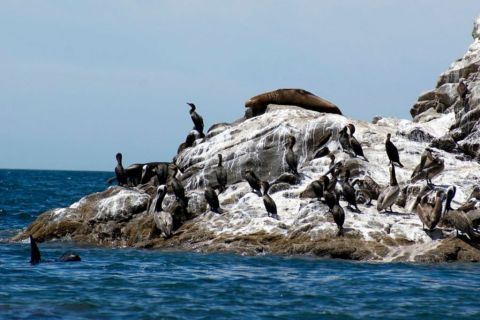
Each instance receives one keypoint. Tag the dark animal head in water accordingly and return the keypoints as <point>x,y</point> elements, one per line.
<point>34,252</point>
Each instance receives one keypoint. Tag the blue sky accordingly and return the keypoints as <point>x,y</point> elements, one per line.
<point>82,80</point>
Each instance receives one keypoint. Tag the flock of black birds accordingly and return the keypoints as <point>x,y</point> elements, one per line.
<point>430,212</point>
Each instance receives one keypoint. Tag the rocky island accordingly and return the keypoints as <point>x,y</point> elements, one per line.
<point>445,119</point>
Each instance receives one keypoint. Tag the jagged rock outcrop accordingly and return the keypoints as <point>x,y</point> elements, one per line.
<point>457,92</point>
<point>119,216</point>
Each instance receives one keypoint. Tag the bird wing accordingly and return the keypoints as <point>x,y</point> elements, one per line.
<point>164,222</point>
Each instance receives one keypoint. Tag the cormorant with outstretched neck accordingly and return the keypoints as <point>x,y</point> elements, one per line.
<point>253,181</point>
<point>221,174</point>
<point>356,146</point>
<point>390,194</point>
<point>290,156</point>
<point>197,119</point>
<point>212,199</point>
<point>163,219</point>
<point>268,201</point>
<point>392,151</point>
<point>120,172</point>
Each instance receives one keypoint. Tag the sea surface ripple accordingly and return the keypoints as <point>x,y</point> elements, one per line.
<point>148,284</point>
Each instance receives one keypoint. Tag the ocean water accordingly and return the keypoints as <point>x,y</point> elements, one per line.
<point>148,284</point>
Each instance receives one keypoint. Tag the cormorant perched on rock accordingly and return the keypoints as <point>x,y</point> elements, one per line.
<point>390,194</point>
<point>338,216</point>
<point>268,201</point>
<point>332,166</point>
<point>462,89</point>
<point>212,199</point>
<point>120,173</point>
<point>221,174</point>
<point>356,146</point>
<point>177,186</point>
<point>253,181</point>
<point>344,140</point>
<point>317,188</point>
<point>189,141</point>
<point>323,139</point>
<point>134,173</point>
<point>149,170</point>
<point>392,151</point>
<point>320,153</point>
<point>329,194</point>
<point>430,214</point>
<point>163,219</point>
<point>322,150</point>
<point>348,191</point>
<point>290,156</point>
<point>425,159</point>
<point>197,119</point>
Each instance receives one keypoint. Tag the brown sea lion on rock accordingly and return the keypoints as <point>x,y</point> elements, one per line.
<point>296,97</point>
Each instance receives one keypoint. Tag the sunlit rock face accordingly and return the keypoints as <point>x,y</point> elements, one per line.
<point>120,216</point>
<point>445,98</point>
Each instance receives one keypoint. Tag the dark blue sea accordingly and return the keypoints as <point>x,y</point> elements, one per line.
<point>146,284</point>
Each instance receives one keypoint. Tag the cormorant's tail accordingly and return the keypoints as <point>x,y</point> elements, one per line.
<point>340,232</point>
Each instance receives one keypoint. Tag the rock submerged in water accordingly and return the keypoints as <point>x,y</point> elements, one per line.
<point>119,216</point>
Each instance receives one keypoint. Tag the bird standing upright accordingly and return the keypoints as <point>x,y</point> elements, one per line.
<point>392,151</point>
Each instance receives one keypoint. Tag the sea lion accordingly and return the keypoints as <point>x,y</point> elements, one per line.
<point>297,97</point>
<point>36,257</point>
